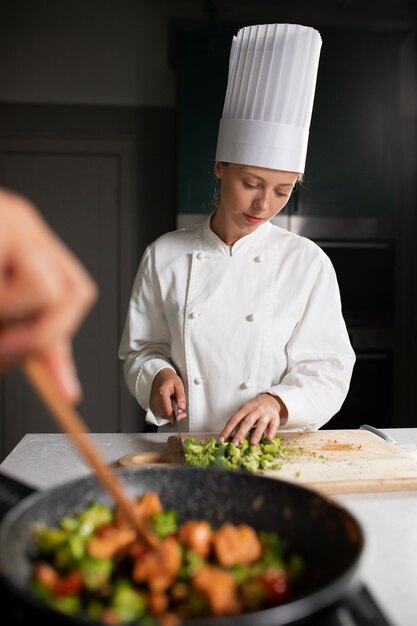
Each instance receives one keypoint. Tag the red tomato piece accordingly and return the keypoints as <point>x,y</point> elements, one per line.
<point>68,585</point>
<point>276,585</point>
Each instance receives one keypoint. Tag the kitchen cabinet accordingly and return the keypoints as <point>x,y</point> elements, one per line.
<point>75,184</point>
<point>82,167</point>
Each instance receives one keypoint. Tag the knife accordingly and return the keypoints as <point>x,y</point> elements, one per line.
<point>179,439</point>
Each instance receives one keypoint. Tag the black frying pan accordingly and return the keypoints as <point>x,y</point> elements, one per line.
<point>327,536</point>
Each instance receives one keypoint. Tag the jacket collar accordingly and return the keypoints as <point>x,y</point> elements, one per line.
<point>242,245</point>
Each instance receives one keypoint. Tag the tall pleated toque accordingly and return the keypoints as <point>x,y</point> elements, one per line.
<point>269,96</point>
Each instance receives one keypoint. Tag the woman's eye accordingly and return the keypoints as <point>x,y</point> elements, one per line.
<point>281,194</point>
<point>250,185</point>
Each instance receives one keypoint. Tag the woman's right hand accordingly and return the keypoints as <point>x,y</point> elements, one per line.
<point>167,384</point>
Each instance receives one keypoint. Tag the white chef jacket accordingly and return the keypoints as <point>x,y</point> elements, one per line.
<point>263,315</point>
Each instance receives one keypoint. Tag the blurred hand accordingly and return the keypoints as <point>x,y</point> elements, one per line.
<point>45,293</point>
<point>264,413</point>
<point>167,384</point>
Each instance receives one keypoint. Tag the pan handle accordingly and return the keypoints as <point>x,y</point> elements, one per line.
<point>377,432</point>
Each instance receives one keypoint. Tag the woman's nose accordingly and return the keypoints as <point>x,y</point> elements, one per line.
<point>262,201</point>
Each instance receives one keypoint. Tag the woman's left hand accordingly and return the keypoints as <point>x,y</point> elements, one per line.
<point>263,413</point>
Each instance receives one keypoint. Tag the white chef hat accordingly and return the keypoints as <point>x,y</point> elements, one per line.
<point>269,96</point>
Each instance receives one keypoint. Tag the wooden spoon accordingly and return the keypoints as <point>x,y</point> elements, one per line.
<point>70,422</point>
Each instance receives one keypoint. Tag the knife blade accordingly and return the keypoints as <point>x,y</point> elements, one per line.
<point>179,438</point>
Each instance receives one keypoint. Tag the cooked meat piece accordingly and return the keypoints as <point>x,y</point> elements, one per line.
<point>157,602</point>
<point>144,506</point>
<point>108,543</point>
<point>110,617</point>
<point>169,619</point>
<point>46,575</point>
<point>219,587</point>
<point>236,544</point>
<point>160,567</point>
<point>180,591</point>
<point>197,536</point>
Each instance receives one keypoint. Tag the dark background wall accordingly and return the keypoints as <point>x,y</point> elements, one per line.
<point>91,99</point>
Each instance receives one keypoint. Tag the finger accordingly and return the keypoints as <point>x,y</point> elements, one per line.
<point>78,293</point>
<point>261,426</point>
<point>272,429</point>
<point>59,316</point>
<point>181,415</point>
<point>25,288</point>
<point>20,337</point>
<point>232,424</point>
<point>33,334</point>
<point>80,289</point>
<point>244,427</point>
<point>167,410</point>
<point>180,396</point>
<point>174,406</point>
<point>60,363</point>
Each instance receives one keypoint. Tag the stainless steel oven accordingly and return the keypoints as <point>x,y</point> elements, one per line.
<point>363,254</point>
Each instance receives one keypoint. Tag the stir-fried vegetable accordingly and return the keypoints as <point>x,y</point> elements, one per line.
<point>93,565</point>
<point>265,455</point>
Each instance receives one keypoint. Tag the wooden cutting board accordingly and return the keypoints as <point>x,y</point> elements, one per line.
<point>331,461</point>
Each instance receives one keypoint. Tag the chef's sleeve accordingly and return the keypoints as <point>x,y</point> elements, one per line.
<point>319,355</point>
<point>145,346</point>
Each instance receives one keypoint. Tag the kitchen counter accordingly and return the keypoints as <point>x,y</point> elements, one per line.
<point>389,519</point>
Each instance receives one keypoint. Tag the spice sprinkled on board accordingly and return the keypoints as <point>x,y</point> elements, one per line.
<point>332,445</point>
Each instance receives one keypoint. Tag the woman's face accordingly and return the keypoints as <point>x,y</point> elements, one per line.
<point>249,196</point>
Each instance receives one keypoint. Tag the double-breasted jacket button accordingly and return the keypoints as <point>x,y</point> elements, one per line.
<point>201,256</point>
<point>198,380</point>
<point>251,317</point>
<point>193,315</point>
<point>259,258</point>
<point>246,385</point>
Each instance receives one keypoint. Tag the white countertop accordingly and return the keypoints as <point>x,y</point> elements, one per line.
<point>389,519</point>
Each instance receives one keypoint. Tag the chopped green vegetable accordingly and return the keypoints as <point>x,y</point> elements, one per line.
<point>68,543</point>
<point>191,563</point>
<point>66,604</point>
<point>295,568</point>
<point>49,539</point>
<point>68,554</point>
<point>271,549</point>
<point>86,522</point>
<point>94,609</point>
<point>95,515</point>
<point>126,601</point>
<point>40,590</point>
<point>260,457</point>
<point>164,523</point>
<point>95,572</point>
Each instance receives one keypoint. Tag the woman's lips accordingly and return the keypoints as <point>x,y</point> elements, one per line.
<point>253,220</point>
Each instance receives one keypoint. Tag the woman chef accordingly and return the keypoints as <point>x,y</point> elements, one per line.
<point>237,318</point>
